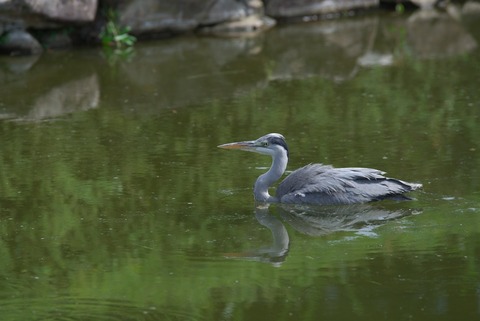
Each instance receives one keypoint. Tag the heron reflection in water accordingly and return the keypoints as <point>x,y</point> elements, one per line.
<point>316,221</point>
<point>317,183</point>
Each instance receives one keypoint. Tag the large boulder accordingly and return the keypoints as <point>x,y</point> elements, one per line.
<point>45,14</point>
<point>300,8</point>
<point>247,26</point>
<point>161,17</point>
<point>146,17</point>
<point>20,42</point>
<point>71,10</point>
<point>18,16</point>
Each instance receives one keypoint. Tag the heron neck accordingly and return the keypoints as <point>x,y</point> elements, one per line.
<point>264,181</point>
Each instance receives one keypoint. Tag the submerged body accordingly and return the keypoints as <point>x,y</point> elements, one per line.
<point>317,183</point>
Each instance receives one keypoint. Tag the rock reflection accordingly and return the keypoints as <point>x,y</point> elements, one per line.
<point>72,96</point>
<point>181,72</point>
<point>314,221</point>
<point>328,49</point>
<point>16,65</point>
<point>187,71</point>
<point>193,70</point>
<point>434,34</point>
<point>77,95</point>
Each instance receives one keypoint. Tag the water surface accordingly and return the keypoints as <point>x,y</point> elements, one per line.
<point>116,204</point>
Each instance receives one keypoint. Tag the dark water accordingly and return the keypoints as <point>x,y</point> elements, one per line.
<point>115,203</point>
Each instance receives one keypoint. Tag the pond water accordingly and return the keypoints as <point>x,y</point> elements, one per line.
<point>116,204</point>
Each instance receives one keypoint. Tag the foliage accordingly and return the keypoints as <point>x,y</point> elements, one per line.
<point>114,35</point>
<point>399,8</point>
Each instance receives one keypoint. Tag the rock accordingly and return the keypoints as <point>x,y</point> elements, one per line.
<point>45,14</point>
<point>301,8</point>
<point>471,8</point>
<point>161,17</point>
<point>71,10</point>
<point>225,10</point>
<point>20,42</point>
<point>425,4</point>
<point>247,26</point>
<point>171,17</point>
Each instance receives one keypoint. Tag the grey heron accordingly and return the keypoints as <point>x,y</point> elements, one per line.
<point>318,183</point>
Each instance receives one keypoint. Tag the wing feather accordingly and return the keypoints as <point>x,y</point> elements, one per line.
<point>324,184</point>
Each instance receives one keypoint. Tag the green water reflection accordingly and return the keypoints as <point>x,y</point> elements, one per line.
<point>116,204</point>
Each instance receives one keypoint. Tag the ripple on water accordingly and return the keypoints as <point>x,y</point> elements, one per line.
<point>74,308</point>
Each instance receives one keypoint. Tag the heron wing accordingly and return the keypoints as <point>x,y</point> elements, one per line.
<point>324,184</point>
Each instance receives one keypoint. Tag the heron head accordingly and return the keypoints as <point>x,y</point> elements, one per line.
<point>269,144</point>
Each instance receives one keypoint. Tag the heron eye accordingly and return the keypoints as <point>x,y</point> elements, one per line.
<point>265,144</point>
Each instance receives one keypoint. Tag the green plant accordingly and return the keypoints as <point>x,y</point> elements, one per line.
<point>114,35</point>
<point>399,8</point>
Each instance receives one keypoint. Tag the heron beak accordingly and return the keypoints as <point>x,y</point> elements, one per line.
<point>248,146</point>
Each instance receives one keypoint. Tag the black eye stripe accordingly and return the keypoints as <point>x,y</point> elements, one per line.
<point>278,141</point>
